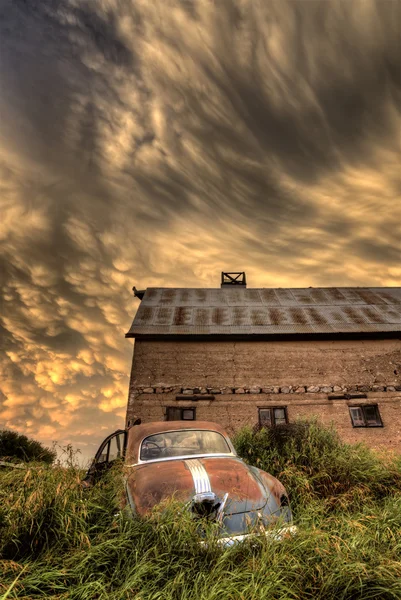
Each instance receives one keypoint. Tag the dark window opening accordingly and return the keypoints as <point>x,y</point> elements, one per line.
<point>176,413</point>
<point>270,417</point>
<point>365,415</point>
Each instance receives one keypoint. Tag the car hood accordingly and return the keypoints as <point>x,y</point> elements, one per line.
<point>149,484</point>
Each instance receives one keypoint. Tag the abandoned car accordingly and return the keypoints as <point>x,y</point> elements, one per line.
<point>197,464</point>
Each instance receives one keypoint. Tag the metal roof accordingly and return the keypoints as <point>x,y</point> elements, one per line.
<point>266,311</point>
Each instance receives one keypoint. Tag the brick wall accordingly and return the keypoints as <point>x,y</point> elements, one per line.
<point>243,376</point>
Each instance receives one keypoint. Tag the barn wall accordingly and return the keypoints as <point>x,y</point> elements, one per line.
<point>259,363</point>
<point>246,375</point>
<point>233,413</point>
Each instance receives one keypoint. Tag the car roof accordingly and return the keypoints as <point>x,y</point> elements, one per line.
<point>137,433</point>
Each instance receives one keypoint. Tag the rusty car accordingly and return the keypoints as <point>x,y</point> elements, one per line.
<point>196,463</point>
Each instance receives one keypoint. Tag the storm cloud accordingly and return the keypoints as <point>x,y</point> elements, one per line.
<point>158,143</point>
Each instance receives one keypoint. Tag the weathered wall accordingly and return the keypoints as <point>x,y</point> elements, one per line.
<point>238,364</point>
<point>233,412</point>
<point>246,375</point>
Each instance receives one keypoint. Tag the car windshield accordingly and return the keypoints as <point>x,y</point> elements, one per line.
<point>185,442</point>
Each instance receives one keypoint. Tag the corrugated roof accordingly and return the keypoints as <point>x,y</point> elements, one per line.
<point>266,311</point>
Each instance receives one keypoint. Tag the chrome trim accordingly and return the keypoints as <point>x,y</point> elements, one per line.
<point>199,475</point>
<point>274,534</point>
<point>184,457</point>
<point>220,512</point>
<point>205,497</point>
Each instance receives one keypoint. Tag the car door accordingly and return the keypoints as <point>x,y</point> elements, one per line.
<point>110,450</point>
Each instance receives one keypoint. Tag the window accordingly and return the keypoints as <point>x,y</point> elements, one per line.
<point>116,447</point>
<point>102,458</point>
<point>176,413</point>
<point>365,415</point>
<point>112,449</point>
<point>269,417</point>
<point>185,442</point>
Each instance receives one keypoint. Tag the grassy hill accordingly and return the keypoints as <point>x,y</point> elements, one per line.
<point>57,541</point>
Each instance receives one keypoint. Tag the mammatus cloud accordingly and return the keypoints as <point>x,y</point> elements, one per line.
<point>157,143</point>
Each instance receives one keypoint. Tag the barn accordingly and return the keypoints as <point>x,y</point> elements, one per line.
<point>246,356</point>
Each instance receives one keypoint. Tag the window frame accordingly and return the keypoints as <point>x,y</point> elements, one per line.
<point>272,415</point>
<point>366,424</point>
<point>104,448</point>
<point>99,467</point>
<point>181,409</point>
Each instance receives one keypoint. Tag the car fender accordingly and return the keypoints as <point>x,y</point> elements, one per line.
<point>277,501</point>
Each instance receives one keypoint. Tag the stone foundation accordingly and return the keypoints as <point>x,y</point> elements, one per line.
<point>272,389</point>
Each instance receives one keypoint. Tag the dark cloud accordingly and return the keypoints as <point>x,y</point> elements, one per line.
<point>371,250</point>
<point>103,31</point>
<point>150,142</point>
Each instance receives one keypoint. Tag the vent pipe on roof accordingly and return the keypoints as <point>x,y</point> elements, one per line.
<point>138,293</point>
<point>233,279</point>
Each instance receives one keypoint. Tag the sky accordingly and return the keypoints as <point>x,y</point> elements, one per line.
<point>160,142</point>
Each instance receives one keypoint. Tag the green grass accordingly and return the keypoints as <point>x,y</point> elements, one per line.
<point>57,541</point>
<point>16,447</point>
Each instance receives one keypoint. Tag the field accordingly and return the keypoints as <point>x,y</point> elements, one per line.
<point>57,541</point>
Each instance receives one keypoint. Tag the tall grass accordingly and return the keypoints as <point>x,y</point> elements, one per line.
<point>315,464</point>
<point>58,541</point>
